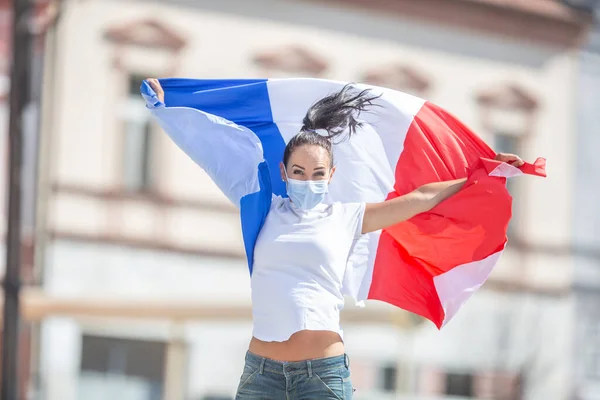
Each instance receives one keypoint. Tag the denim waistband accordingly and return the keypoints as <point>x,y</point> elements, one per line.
<point>297,367</point>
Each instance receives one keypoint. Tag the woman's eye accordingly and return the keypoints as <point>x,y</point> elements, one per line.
<point>320,174</point>
<point>297,172</point>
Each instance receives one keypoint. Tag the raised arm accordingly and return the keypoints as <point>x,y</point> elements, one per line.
<point>183,109</point>
<point>388,213</point>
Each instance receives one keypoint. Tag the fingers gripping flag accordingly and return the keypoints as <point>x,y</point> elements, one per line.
<point>236,130</point>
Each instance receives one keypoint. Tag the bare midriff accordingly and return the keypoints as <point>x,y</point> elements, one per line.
<point>303,345</point>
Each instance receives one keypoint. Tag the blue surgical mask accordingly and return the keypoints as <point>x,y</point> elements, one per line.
<point>306,194</point>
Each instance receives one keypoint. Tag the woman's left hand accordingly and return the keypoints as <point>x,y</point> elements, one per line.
<point>511,159</point>
<point>155,85</point>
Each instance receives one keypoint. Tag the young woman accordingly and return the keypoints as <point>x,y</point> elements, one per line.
<point>297,351</point>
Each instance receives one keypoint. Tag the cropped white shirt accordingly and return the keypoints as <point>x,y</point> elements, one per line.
<point>299,264</point>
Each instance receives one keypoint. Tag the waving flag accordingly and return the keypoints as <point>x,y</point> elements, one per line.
<point>236,130</point>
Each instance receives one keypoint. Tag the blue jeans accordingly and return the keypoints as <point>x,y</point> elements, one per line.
<point>324,378</point>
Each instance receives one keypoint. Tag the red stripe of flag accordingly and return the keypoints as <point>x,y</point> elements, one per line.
<point>468,227</point>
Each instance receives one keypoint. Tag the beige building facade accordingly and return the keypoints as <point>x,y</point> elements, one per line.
<point>145,290</point>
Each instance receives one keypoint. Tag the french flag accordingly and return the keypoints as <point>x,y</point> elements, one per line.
<point>236,130</point>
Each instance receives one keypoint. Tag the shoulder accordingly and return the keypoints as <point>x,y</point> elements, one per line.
<point>350,208</point>
<point>277,202</point>
<point>348,211</point>
<point>352,215</point>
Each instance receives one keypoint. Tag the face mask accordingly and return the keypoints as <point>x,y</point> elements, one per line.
<point>306,194</point>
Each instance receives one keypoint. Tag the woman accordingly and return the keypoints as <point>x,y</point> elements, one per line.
<point>297,350</point>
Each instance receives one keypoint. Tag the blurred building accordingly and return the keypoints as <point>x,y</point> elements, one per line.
<point>586,232</point>
<point>145,291</point>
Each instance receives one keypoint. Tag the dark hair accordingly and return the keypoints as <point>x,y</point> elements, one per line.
<point>337,114</point>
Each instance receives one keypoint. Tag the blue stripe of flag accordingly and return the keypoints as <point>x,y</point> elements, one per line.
<point>244,102</point>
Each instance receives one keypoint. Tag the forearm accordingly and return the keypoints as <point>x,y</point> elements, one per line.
<point>382,215</point>
<point>435,193</point>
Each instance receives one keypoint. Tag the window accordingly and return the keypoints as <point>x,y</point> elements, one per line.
<point>499,384</point>
<point>459,385</point>
<point>389,378</point>
<point>138,141</point>
<point>121,369</point>
<point>507,143</point>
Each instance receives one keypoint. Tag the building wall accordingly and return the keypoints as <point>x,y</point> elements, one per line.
<point>457,76</point>
<point>187,238</point>
<point>586,234</point>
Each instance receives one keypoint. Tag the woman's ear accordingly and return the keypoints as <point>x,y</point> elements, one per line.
<point>331,174</point>
<point>282,171</point>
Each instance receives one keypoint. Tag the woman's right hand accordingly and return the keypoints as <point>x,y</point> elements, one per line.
<point>155,85</point>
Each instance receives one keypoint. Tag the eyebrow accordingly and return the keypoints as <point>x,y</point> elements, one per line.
<point>296,165</point>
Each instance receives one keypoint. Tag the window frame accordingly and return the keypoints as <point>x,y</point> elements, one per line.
<point>147,180</point>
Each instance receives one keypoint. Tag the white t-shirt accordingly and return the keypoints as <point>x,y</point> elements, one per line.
<point>299,264</point>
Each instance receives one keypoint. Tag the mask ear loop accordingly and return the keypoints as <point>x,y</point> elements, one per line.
<point>287,178</point>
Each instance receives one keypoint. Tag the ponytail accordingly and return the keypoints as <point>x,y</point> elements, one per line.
<point>336,114</point>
